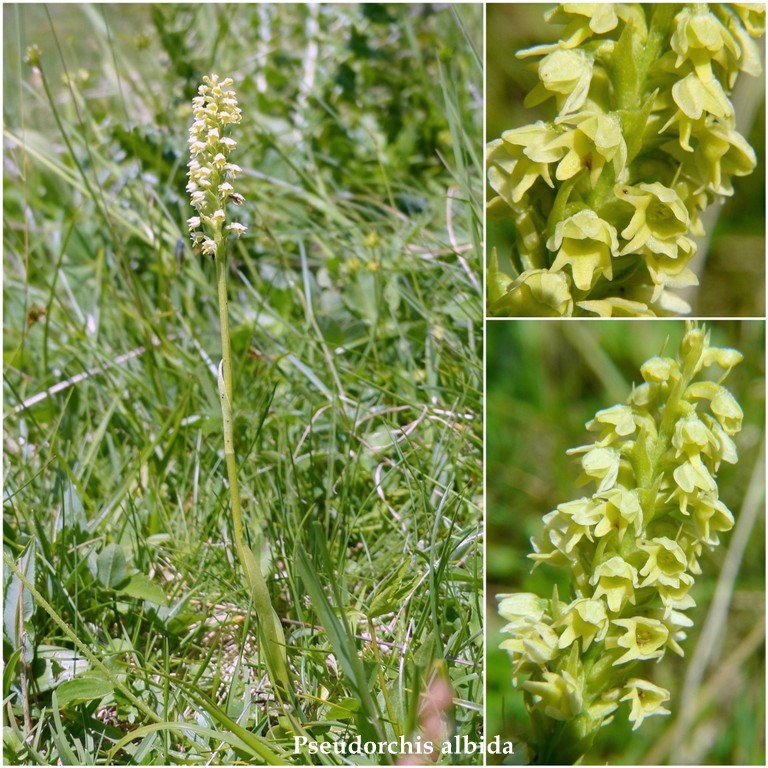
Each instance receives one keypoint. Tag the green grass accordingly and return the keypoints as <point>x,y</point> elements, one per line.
<point>545,380</point>
<point>355,306</point>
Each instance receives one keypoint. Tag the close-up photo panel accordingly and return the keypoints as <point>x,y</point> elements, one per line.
<point>626,541</point>
<point>626,160</point>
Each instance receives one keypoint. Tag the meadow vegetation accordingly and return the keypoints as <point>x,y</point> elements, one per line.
<point>355,311</point>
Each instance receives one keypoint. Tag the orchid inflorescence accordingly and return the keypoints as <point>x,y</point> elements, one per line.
<point>210,172</point>
<point>633,549</point>
<point>606,196</point>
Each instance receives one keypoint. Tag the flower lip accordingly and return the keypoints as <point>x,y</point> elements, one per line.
<point>616,579</point>
<point>643,638</point>
<point>666,562</point>
<point>659,223</point>
<point>586,243</point>
<point>646,700</point>
<point>586,619</point>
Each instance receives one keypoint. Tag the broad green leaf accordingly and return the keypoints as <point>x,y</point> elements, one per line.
<point>111,566</point>
<point>83,689</point>
<point>143,588</point>
<point>344,709</point>
<point>270,629</point>
<point>54,665</point>
<point>389,595</point>
<point>72,513</point>
<point>19,606</point>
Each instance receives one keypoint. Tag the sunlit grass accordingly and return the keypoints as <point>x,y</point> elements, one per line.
<point>357,341</point>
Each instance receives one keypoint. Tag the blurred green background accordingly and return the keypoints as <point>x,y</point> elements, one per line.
<point>733,278</point>
<point>545,379</point>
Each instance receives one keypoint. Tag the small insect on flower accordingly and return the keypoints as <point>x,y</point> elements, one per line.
<point>236,198</point>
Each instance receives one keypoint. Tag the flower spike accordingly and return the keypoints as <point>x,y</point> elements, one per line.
<point>214,108</point>
<point>632,549</point>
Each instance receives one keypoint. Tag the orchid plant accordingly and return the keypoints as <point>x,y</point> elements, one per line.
<point>210,187</point>
<point>606,196</point>
<point>632,548</point>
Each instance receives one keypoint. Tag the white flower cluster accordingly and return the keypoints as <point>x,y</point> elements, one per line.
<point>606,196</point>
<point>210,172</point>
<point>632,547</point>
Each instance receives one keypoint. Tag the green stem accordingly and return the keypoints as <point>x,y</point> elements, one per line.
<point>382,680</point>
<point>271,636</point>
<point>564,742</point>
<point>226,398</point>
